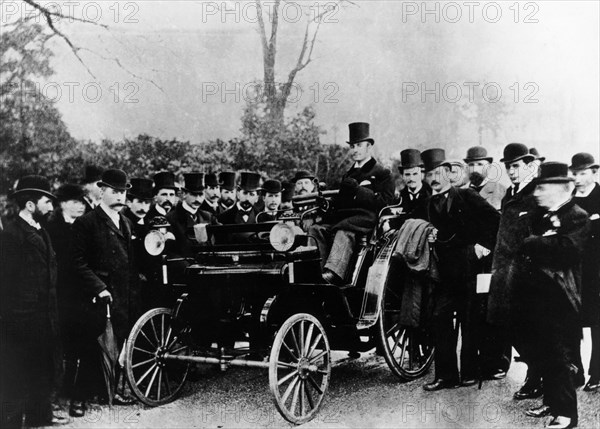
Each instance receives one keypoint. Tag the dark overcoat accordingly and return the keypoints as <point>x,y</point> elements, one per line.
<point>409,204</point>
<point>182,224</point>
<point>103,258</point>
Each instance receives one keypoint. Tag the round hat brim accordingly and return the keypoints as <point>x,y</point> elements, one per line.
<point>368,139</point>
<point>556,180</point>
<point>508,161</point>
<point>30,190</point>
<point>118,188</point>
<point>583,167</point>
<point>483,158</point>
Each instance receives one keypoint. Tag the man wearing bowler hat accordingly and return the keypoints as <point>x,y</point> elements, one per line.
<point>304,182</point>
<point>479,165</point>
<point>187,214</point>
<point>272,197</point>
<point>165,194</point>
<point>587,196</point>
<point>30,348</point>
<point>465,230</point>
<point>521,169</point>
<point>103,259</point>
<point>550,293</point>
<point>212,195</point>
<point>415,189</point>
<point>365,189</point>
<point>244,210</point>
<point>227,183</point>
<point>92,175</point>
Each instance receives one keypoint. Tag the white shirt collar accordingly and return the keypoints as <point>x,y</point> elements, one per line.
<point>188,208</point>
<point>240,208</point>
<point>112,214</point>
<point>30,221</point>
<point>160,210</point>
<point>361,164</point>
<point>524,183</point>
<point>214,206</point>
<point>68,219</point>
<point>559,205</point>
<point>587,192</point>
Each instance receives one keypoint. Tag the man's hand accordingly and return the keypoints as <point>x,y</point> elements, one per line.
<point>481,251</point>
<point>105,296</point>
<point>432,237</point>
<point>348,189</point>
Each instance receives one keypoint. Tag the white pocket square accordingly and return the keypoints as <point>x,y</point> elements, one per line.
<point>595,216</point>
<point>522,214</point>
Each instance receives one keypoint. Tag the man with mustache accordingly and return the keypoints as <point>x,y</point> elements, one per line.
<point>272,196</point>
<point>304,181</point>
<point>103,260</point>
<point>244,210</point>
<point>415,190</point>
<point>165,194</point>
<point>227,183</point>
<point>212,195</point>
<point>480,165</point>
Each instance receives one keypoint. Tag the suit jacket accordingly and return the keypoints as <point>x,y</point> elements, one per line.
<point>235,216</point>
<point>409,204</point>
<point>103,258</point>
<point>182,224</point>
<point>215,211</point>
<point>493,193</point>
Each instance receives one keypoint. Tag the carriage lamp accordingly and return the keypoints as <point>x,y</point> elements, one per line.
<point>155,240</point>
<point>283,236</point>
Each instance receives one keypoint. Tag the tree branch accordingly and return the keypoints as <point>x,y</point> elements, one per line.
<point>47,12</point>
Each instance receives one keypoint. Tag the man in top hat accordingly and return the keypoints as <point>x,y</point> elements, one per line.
<point>212,195</point>
<point>587,196</point>
<point>365,189</point>
<point>458,173</point>
<point>465,229</point>
<point>165,194</point>
<point>304,182</point>
<point>187,213</point>
<point>415,189</point>
<point>227,183</point>
<point>30,349</point>
<point>550,294</point>
<point>93,173</point>
<point>103,259</point>
<point>272,197</point>
<point>479,165</point>
<point>243,211</point>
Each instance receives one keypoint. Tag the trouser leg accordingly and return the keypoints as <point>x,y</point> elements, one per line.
<point>445,335</point>
<point>594,370</point>
<point>470,322</point>
<point>341,252</point>
<point>322,235</point>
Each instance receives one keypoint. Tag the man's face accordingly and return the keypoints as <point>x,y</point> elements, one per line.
<point>304,186</point>
<point>360,151</point>
<point>42,207</point>
<point>519,171</point>
<point>139,207</point>
<point>212,194</point>
<point>227,197</point>
<point>193,199</point>
<point>584,178</point>
<point>458,175</point>
<point>93,191</point>
<point>73,208</point>
<point>549,195</point>
<point>113,198</point>
<point>413,177</point>
<point>166,198</point>
<point>247,198</point>
<point>479,167</point>
<point>439,178</point>
<point>272,200</point>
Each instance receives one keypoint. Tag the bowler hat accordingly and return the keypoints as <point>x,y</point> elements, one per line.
<point>141,189</point>
<point>433,158</point>
<point>359,132</point>
<point>287,191</point>
<point>477,153</point>
<point>271,186</point>
<point>193,182</point>
<point>69,192</point>
<point>116,179</point>
<point>227,180</point>
<point>410,158</point>
<point>537,155</point>
<point>302,174</point>
<point>33,184</point>
<point>553,172</point>
<point>582,161</point>
<point>211,180</point>
<point>164,180</point>
<point>514,152</point>
<point>249,181</point>
<point>92,174</point>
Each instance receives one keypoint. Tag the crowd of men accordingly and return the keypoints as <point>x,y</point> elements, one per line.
<point>61,269</point>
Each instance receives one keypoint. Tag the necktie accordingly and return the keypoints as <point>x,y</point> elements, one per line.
<point>516,188</point>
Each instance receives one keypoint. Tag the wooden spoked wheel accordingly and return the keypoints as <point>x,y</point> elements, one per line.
<point>300,368</point>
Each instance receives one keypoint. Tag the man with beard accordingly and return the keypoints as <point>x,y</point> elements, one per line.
<point>587,196</point>
<point>272,197</point>
<point>212,195</point>
<point>415,190</point>
<point>187,214</point>
<point>243,211</point>
<point>227,182</point>
<point>165,194</point>
<point>479,164</point>
<point>103,259</point>
<point>30,348</point>
<point>304,182</point>
<point>89,183</point>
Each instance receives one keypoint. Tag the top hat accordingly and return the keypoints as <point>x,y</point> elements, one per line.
<point>33,183</point>
<point>536,154</point>
<point>271,186</point>
<point>227,180</point>
<point>302,174</point>
<point>92,174</point>
<point>211,180</point>
<point>287,191</point>
<point>116,179</point>
<point>514,152</point>
<point>359,132</point>
<point>553,172</point>
<point>141,189</point>
<point>433,158</point>
<point>478,153</point>
<point>69,192</point>
<point>582,161</point>
<point>164,180</point>
<point>249,181</point>
<point>193,182</point>
<point>410,158</point>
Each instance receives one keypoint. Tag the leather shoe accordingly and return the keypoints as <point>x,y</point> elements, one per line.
<point>592,385</point>
<point>561,422</point>
<point>440,384</point>
<point>499,374</point>
<point>77,409</point>
<point>58,419</point>
<point>541,411</point>
<point>528,391</point>
<point>468,382</point>
<point>123,399</point>
<point>332,278</point>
